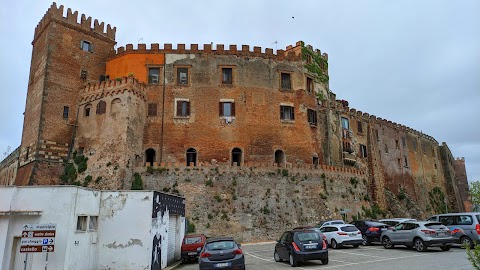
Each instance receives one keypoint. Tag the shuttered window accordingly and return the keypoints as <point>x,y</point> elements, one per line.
<point>226,108</point>
<point>287,112</point>
<point>152,109</point>
<point>101,107</point>
<point>183,108</point>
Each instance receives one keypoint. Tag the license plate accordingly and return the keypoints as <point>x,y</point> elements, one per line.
<point>222,264</point>
<point>353,234</point>
<point>192,253</point>
<point>310,247</point>
<point>441,234</point>
<point>383,229</point>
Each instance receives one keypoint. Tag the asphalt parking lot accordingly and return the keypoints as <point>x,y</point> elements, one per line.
<point>260,256</point>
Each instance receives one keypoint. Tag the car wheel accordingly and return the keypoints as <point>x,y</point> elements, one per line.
<point>334,244</point>
<point>419,245</point>
<point>324,261</point>
<point>365,242</point>
<point>356,245</point>
<point>387,243</point>
<point>292,261</point>
<point>466,241</point>
<point>276,257</point>
<point>445,248</point>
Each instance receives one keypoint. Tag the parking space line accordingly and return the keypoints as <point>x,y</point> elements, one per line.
<point>361,254</point>
<point>372,261</point>
<point>268,260</point>
<point>263,250</point>
<point>338,261</point>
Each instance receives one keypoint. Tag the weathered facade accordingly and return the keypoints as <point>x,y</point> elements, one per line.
<point>125,110</point>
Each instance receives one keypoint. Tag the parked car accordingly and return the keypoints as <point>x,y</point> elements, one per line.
<point>371,230</point>
<point>418,234</point>
<point>395,221</point>
<point>190,244</point>
<point>222,252</point>
<point>464,227</point>
<point>330,222</point>
<point>339,235</point>
<point>298,246</point>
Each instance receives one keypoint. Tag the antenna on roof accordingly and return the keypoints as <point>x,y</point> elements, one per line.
<point>140,39</point>
<point>276,42</point>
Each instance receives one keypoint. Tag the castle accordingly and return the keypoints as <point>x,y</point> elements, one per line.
<point>160,111</point>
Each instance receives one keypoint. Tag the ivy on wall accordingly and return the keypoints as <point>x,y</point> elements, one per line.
<point>318,65</point>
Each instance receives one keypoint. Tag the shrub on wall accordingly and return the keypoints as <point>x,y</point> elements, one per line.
<point>137,183</point>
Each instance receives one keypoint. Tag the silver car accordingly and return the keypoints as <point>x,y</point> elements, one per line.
<point>418,234</point>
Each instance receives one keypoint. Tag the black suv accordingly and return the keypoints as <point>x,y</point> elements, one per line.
<point>371,230</point>
<point>301,245</point>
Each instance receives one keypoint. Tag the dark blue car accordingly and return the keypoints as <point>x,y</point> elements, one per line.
<point>298,246</point>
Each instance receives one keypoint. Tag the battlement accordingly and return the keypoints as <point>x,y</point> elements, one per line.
<point>461,159</point>
<point>113,87</point>
<point>290,53</point>
<point>71,18</point>
<point>338,105</point>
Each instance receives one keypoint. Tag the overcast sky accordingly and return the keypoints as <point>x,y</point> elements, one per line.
<point>413,62</point>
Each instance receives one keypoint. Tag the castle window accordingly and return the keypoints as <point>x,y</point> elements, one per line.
<point>359,127</point>
<point>279,158</point>
<point>226,108</point>
<point>404,142</point>
<point>182,108</point>
<point>83,74</point>
<point>182,76</point>
<point>312,117</point>
<point>309,59</point>
<point>65,112</point>
<point>414,144</point>
<point>191,157</point>
<point>406,161</point>
<point>376,135</point>
<point>236,156</point>
<point>27,153</point>
<point>101,107</point>
<point>150,156</point>
<point>345,124</point>
<point>363,151</point>
<point>87,110</point>
<point>315,161</point>
<point>154,75</point>
<point>152,109</point>
<point>399,163</point>
<point>227,75</point>
<point>287,113</point>
<point>82,223</point>
<point>386,149</point>
<point>286,82</point>
<point>309,85</point>
<point>86,46</point>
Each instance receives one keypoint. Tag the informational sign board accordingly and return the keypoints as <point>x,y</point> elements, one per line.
<point>38,238</point>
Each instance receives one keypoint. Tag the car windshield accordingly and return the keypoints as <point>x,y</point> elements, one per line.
<point>349,229</point>
<point>193,240</point>
<point>221,245</point>
<point>435,226</point>
<point>308,236</point>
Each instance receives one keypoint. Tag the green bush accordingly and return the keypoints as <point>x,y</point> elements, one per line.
<point>191,227</point>
<point>110,163</point>
<point>78,159</point>
<point>137,183</point>
<point>82,166</point>
<point>284,172</point>
<point>473,256</point>
<point>210,216</point>
<point>217,198</point>
<point>265,210</point>
<point>209,183</point>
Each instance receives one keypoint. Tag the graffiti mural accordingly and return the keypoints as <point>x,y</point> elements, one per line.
<point>164,205</point>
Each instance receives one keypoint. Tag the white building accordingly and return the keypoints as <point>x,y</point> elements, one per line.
<point>94,229</point>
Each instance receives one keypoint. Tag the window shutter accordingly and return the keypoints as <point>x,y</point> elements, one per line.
<point>90,48</point>
<point>179,108</point>
<point>281,112</point>
<point>233,108</point>
<point>220,108</point>
<point>293,113</point>
<point>188,108</point>
<point>81,44</point>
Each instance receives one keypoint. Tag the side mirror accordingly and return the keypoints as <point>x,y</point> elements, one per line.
<point>199,249</point>
<point>239,245</point>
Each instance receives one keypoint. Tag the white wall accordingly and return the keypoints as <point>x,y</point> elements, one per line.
<point>125,222</point>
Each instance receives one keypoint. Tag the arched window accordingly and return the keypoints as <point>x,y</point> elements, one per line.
<point>237,156</point>
<point>280,157</point>
<point>101,107</point>
<point>115,106</point>
<point>87,110</point>
<point>315,160</point>
<point>191,157</point>
<point>150,156</point>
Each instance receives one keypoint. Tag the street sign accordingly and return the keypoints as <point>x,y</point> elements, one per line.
<point>38,238</point>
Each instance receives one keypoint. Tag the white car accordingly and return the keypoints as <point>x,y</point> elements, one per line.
<point>332,222</point>
<point>339,235</point>
<point>395,221</point>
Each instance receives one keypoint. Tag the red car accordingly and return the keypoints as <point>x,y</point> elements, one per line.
<point>190,246</point>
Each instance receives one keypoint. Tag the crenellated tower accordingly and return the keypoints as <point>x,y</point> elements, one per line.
<point>66,56</point>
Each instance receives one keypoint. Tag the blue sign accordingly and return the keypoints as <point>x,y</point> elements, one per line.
<point>45,241</point>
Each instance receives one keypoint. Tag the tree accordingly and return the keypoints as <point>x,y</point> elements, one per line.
<point>475,194</point>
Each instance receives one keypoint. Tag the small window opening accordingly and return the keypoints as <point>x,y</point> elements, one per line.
<point>359,127</point>
<point>279,157</point>
<point>83,74</point>
<point>227,75</point>
<point>93,223</point>
<point>65,112</point>
<point>287,113</point>
<point>226,109</point>
<point>101,107</point>
<point>82,223</point>
<point>183,108</point>
<point>150,156</point>
<point>312,117</point>
<point>191,157</point>
<point>152,109</point>
<point>286,81</point>
<point>154,75</point>
<point>363,151</point>
<point>182,76</point>
<point>309,85</point>
<point>236,156</point>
